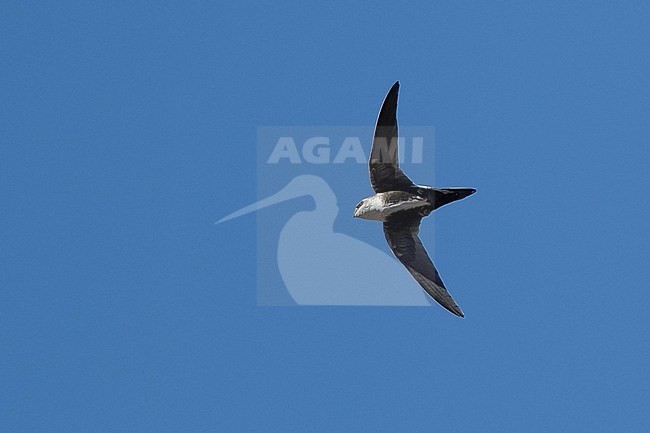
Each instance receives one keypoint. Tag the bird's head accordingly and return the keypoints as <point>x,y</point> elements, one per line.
<point>364,209</point>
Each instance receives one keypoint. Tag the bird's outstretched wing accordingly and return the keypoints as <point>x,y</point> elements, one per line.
<point>401,232</point>
<point>385,174</point>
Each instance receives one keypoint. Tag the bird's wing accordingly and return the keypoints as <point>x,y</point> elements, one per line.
<point>385,174</point>
<point>401,232</point>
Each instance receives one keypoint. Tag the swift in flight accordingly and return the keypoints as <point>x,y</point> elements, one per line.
<point>400,205</point>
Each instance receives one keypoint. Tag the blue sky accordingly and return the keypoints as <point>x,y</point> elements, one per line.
<point>127,130</point>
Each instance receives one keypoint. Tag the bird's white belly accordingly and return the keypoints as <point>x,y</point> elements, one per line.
<point>379,207</point>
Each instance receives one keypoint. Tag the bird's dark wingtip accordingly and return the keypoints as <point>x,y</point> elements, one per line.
<point>455,310</point>
<point>391,96</point>
<point>394,88</point>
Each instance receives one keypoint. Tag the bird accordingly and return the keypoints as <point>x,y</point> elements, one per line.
<point>401,204</point>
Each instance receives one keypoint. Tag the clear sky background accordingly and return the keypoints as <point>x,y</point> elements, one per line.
<point>127,130</point>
